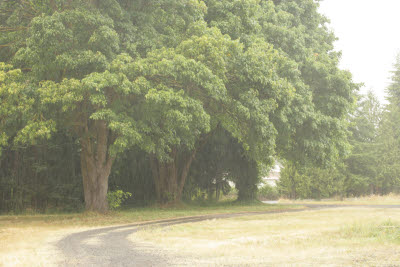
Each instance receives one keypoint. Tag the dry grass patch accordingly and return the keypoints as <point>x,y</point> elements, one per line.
<point>311,238</point>
<point>390,199</point>
<point>29,240</point>
<point>132,215</point>
<point>32,246</point>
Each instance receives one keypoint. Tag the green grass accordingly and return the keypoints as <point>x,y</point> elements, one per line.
<point>390,199</point>
<point>345,236</point>
<point>386,231</point>
<point>331,237</point>
<point>133,215</point>
<point>25,239</point>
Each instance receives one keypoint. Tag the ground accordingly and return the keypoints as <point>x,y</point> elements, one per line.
<point>332,237</point>
<point>319,235</point>
<point>34,240</point>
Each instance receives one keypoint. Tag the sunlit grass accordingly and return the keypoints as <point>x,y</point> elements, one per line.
<point>337,237</point>
<point>387,231</point>
<point>25,239</point>
<point>133,215</point>
<point>31,246</point>
<point>390,199</point>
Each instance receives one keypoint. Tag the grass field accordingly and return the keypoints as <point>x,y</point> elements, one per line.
<point>25,240</point>
<point>129,215</point>
<point>391,199</point>
<point>334,237</point>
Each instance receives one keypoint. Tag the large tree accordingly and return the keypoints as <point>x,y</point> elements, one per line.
<point>363,163</point>
<point>164,75</point>
<point>206,81</point>
<point>71,56</point>
<point>313,127</point>
<point>222,159</point>
<point>78,53</point>
<point>388,178</point>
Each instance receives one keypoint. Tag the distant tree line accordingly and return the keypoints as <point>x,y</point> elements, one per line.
<point>372,167</point>
<point>168,100</point>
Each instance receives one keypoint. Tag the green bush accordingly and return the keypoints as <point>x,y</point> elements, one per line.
<point>115,198</point>
<point>268,192</point>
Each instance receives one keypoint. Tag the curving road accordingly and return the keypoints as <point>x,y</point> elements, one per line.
<point>110,246</point>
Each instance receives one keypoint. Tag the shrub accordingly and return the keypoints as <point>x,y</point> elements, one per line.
<point>115,198</point>
<point>268,192</point>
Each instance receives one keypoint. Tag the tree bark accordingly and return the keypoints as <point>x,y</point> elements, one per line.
<point>96,167</point>
<point>218,182</point>
<point>170,176</point>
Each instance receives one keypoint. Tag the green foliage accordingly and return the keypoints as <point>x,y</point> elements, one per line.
<point>290,182</point>
<point>221,160</point>
<point>309,182</point>
<point>363,163</point>
<point>373,167</point>
<point>115,198</point>
<point>132,173</point>
<point>18,122</point>
<point>268,192</point>
<point>41,178</point>
<point>155,79</point>
<point>388,178</point>
<point>246,177</point>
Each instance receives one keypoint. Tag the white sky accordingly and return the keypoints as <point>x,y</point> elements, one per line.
<point>369,38</point>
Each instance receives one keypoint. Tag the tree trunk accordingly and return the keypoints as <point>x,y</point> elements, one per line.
<point>170,176</point>
<point>218,182</point>
<point>96,167</point>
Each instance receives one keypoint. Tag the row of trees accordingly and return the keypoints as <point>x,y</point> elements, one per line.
<point>373,165</point>
<point>163,97</point>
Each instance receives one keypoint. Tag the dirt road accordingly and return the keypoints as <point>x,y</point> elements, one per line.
<point>110,246</point>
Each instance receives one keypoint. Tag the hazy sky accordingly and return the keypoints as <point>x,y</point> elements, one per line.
<point>369,38</point>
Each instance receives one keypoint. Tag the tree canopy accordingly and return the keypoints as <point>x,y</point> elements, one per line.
<point>165,76</point>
